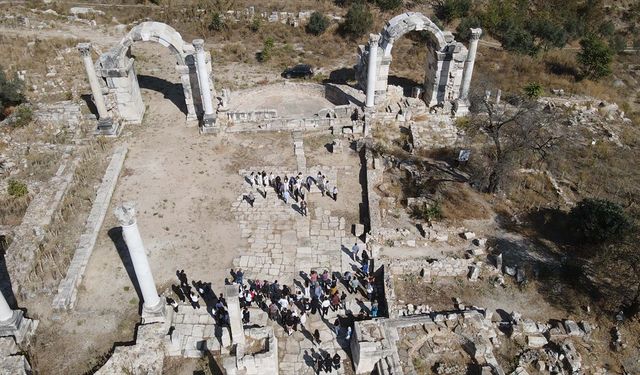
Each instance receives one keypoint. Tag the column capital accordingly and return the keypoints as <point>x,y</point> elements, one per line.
<point>198,44</point>
<point>476,33</point>
<point>374,39</point>
<point>126,213</point>
<point>85,49</point>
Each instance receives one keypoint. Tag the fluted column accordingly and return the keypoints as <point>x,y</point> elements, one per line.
<point>126,214</point>
<point>96,90</point>
<point>203,78</point>
<point>471,59</point>
<point>371,69</point>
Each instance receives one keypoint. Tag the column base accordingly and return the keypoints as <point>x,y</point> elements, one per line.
<point>460,107</point>
<point>19,327</point>
<point>154,314</point>
<point>210,124</point>
<point>108,127</point>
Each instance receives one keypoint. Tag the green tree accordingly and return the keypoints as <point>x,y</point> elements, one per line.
<point>318,23</point>
<point>598,221</point>
<point>358,20</point>
<point>10,92</point>
<point>594,57</point>
<point>267,50</point>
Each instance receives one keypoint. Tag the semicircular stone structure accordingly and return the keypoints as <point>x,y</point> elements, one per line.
<point>443,68</point>
<point>116,67</point>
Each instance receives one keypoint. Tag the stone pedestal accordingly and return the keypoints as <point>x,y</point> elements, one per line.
<point>153,308</point>
<point>18,326</point>
<point>235,315</point>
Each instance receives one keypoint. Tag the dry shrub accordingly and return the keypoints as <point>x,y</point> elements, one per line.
<point>12,209</point>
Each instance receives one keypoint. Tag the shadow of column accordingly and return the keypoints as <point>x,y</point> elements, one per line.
<point>5,281</point>
<point>115,234</point>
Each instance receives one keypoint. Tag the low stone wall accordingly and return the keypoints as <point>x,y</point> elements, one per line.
<point>20,257</point>
<point>66,297</point>
<point>253,116</point>
<point>264,362</point>
<point>146,356</point>
<point>280,124</point>
<point>374,178</point>
<point>429,268</point>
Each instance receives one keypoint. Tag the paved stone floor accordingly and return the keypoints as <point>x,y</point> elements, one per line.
<point>281,241</point>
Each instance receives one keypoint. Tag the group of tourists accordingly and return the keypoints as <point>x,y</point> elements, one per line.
<point>290,187</point>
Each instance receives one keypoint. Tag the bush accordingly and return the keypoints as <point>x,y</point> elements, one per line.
<point>17,189</point>
<point>448,10</point>
<point>217,22</point>
<point>427,212</point>
<point>22,116</point>
<point>255,25</point>
<point>318,23</point>
<point>358,20</point>
<point>594,57</point>
<point>463,31</point>
<point>10,92</point>
<point>387,5</point>
<point>533,90</point>
<point>598,221</point>
<point>267,50</point>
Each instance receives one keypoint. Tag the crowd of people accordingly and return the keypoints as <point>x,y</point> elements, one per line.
<point>290,188</point>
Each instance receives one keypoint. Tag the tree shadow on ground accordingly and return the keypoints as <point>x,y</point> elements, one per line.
<point>341,76</point>
<point>170,90</point>
<point>115,234</point>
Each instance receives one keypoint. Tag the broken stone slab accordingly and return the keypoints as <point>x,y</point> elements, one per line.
<point>481,242</point>
<point>572,328</point>
<point>358,230</point>
<point>536,341</point>
<point>468,235</point>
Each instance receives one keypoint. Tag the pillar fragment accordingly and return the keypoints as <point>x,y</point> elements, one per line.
<point>471,58</point>
<point>13,323</point>
<point>371,69</point>
<point>153,307</point>
<point>105,122</point>
<point>203,79</point>
<point>235,315</point>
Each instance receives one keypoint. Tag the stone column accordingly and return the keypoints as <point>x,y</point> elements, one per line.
<point>96,90</point>
<point>371,69</point>
<point>153,307</point>
<point>203,80</point>
<point>235,315</point>
<point>468,67</point>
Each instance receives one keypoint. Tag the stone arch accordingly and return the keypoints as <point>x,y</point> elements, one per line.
<point>443,68</point>
<point>116,67</point>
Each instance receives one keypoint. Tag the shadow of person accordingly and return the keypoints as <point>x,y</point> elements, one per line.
<point>115,234</point>
<point>178,292</point>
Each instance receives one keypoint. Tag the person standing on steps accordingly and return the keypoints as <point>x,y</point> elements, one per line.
<point>335,193</point>
<point>303,207</point>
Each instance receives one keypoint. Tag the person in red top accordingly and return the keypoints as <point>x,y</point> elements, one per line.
<point>335,302</point>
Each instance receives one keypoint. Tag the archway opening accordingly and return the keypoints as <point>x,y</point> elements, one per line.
<point>157,77</point>
<point>412,61</point>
